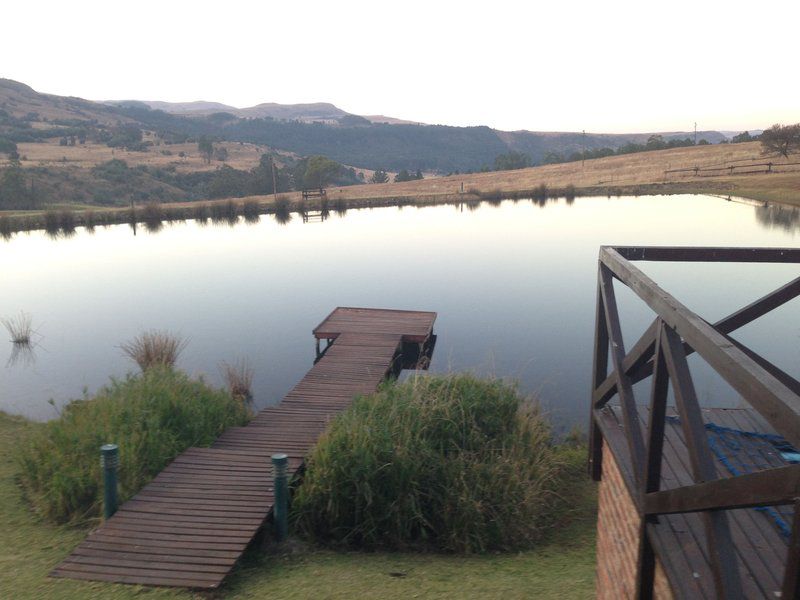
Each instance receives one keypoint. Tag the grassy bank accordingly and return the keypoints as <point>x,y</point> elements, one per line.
<point>561,568</point>
<point>643,173</point>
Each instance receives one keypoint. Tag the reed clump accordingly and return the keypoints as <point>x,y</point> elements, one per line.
<point>154,348</point>
<point>20,328</point>
<point>452,463</point>
<point>152,416</point>
<point>238,377</point>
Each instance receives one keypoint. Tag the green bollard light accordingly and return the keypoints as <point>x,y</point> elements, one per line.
<point>280,515</point>
<point>109,460</point>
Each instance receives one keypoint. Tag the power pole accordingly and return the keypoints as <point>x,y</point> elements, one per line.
<point>583,156</point>
<point>695,134</point>
<point>274,184</point>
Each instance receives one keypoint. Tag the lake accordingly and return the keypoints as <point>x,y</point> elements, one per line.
<point>513,283</point>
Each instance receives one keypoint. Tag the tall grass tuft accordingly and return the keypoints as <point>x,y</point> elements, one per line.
<point>152,416</point>
<point>20,328</point>
<point>200,212</point>
<point>154,349</point>
<point>52,223</point>
<point>454,463</point>
<point>250,210</point>
<point>153,216</point>
<point>239,379</point>
<point>89,220</point>
<point>6,228</point>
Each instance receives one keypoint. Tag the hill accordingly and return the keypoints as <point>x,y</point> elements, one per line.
<point>305,129</point>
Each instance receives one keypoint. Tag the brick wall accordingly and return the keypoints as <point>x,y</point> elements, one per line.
<point>618,538</point>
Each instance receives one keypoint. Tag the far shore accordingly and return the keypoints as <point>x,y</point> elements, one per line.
<point>644,173</point>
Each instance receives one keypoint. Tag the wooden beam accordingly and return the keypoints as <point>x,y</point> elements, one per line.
<point>599,371</point>
<point>721,553</point>
<point>630,416</point>
<point>636,362</point>
<point>646,568</point>
<point>705,254</point>
<point>776,403</point>
<point>780,485</point>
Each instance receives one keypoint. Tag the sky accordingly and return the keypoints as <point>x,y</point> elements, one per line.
<point>561,65</point>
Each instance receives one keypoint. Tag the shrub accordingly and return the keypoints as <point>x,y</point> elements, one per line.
<point>153,417</point>
<point>454,463</point>
<point>154,349</point>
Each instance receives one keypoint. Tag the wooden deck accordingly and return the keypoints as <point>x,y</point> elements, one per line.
<point>760,548</point>
<point>189,526</point>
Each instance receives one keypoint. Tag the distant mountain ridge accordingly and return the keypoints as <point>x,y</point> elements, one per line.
<point>374,142</point>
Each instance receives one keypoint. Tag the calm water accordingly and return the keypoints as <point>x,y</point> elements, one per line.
<point>514,286</point>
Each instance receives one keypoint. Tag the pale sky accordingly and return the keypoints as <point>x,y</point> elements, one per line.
<point>562,65</point>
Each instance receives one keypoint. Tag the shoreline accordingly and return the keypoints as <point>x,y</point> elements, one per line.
<point>64,217</point>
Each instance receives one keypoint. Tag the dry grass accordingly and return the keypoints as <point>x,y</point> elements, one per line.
<point>154,349</point>
<point>20,328</point>
<point>239,379</point>
<point>51,154</point>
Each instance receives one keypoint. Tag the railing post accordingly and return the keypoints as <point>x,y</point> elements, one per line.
<point>281,506</point>
<point>109,460</point>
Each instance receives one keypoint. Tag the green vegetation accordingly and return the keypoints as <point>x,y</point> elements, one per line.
<point>511,161</point>
<point>454,463</point>
<point>562,568</point>
<point>153,417</point>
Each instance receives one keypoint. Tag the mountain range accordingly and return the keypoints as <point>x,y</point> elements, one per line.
<point>371,142</point>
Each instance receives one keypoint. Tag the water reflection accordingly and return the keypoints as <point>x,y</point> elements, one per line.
<point>779,216</point>
<point>22,354</point>
<point>514,286</point>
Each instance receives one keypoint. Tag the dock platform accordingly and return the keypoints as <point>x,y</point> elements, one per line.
<point>192,522</point>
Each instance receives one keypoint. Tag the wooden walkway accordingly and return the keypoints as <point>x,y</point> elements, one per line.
<point>189,526</point>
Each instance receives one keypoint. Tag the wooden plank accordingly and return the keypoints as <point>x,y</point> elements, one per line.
<point>705,254</point>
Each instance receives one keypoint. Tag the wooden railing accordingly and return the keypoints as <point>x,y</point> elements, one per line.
<point>661,353</point>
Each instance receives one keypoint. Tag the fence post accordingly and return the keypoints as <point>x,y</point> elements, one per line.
<point>280,508</point>
<point>109,460</point>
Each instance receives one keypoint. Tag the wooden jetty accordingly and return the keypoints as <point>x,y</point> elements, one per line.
<point>189,526</point>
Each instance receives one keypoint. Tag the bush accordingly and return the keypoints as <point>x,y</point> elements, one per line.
<point>454,463</point>
<point>153,417</point>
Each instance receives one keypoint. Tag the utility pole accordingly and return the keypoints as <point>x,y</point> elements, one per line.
<point>583,156</point>
<point>695,134</point>
<point>274,184</point>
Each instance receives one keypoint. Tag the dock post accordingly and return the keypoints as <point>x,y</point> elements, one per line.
<point>281,506</point>
<point>109,459</point>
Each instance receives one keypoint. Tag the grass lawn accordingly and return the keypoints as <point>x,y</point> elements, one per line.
<point>564,568</point>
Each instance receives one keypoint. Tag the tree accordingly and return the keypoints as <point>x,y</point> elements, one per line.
<point>221,153</point>
<point>379,176</point>
<point>319,171</point>
<point>418,175</point>
<point>742,137</point>
<point>206,148</point>
<point>781,139</point>
<point>402,176</point>
<point>13,191</point>
<point>511,161</point>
